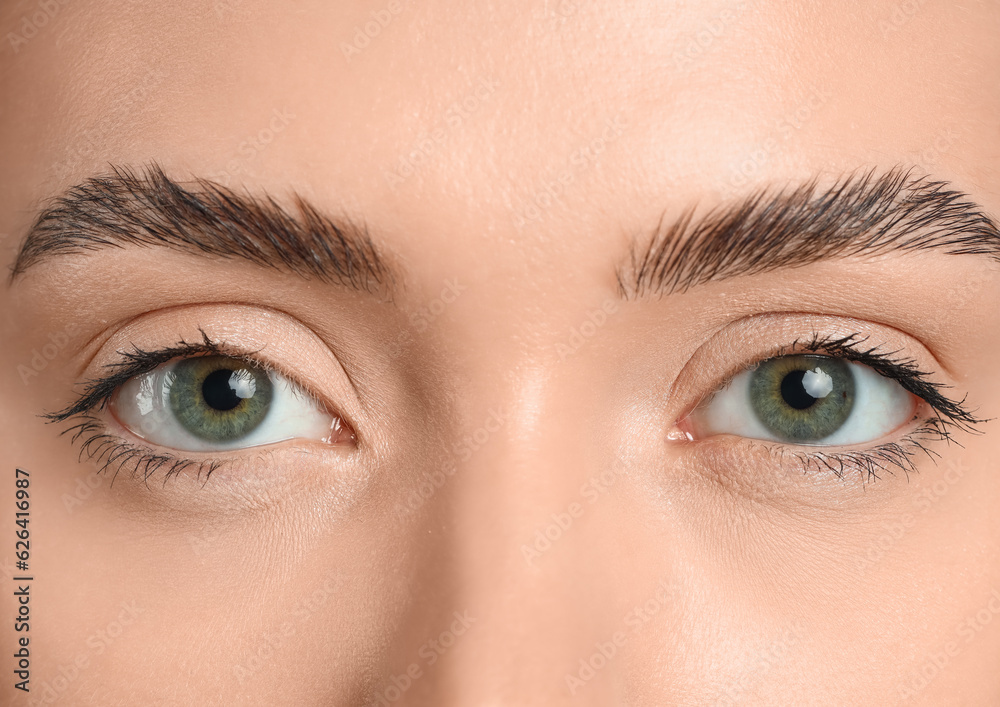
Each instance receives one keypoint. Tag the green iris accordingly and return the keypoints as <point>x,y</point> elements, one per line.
<point>802,398</point>
<point>219,399</point>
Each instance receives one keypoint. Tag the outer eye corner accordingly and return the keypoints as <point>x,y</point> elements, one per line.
<point>340,431</point>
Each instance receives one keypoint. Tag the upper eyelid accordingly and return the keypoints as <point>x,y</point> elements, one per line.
<point>727,379</point>
<point>95,392</point>
<point>270,337</point>
<point>896,359</point>
<point>99,390</point>
<point>792,349</point>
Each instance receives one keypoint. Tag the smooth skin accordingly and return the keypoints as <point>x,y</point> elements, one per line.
<point>705,572</point>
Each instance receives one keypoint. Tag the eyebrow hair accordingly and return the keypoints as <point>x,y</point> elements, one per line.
<point>868,213</point>
<point>146,208</point>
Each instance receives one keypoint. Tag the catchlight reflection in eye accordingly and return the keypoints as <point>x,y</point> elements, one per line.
<point>805,399</point>
<point>213,403</point>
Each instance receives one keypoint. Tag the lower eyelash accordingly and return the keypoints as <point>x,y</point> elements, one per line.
<point>885,458</point>
<point>109,451</point>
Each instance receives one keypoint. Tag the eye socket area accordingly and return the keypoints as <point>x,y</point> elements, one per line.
<point>805,399</point>
<point>218,402</point>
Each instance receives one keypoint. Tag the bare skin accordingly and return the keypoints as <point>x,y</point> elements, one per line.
<point>501,365</point>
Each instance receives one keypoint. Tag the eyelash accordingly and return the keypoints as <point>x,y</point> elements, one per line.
<point>949,416</point>
<point>109,450</point>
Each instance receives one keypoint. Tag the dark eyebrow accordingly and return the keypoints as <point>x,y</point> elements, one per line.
<point>147,208</point>
<point>868,213</point>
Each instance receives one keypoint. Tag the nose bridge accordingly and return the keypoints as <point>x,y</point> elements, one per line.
<point>524,558</point>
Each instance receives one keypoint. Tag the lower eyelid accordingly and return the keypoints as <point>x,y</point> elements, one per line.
<point>795,477</point>
<point>896,453</point>
<point>115,450</point>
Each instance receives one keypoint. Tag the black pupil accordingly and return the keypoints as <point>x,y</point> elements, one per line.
<point>217,391</point>
<point>794,393</point>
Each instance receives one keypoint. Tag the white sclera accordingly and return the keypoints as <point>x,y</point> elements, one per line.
<point>142,405</point>
<point>881,405</point>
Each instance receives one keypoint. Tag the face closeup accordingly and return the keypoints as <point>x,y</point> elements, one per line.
<point>524,353</point>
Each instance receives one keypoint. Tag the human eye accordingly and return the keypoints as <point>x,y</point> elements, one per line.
<point>844,403</point>
<point>190,406</point>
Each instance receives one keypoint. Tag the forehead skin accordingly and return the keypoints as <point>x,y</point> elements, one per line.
<point>443,132</point>
<point>703,97</point>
